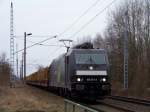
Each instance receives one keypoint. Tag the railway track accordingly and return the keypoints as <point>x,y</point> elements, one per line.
<point>117,104</point>
<point>108,107</point>
<point>130,100</point>
<point>123,104</point>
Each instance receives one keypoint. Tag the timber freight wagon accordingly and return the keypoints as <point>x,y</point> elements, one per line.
<point>39,78</point>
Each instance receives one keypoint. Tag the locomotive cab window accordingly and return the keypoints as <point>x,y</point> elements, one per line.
<point>90,59</point>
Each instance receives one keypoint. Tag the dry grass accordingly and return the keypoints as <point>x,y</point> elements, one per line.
<point>4,79</point>
<point>29,99</point>
<point>136,92</point>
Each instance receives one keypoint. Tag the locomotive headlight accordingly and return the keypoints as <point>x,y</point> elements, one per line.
<point>78,79</point>
<point>104,79</point>
<point>91,68</point>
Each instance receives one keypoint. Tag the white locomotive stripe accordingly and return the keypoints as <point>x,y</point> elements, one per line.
<point>85,72</point>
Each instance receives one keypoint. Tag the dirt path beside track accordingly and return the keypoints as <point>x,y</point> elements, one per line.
<point>29,99</point>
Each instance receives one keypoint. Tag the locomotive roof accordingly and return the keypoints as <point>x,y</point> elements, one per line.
<point>84,50</point>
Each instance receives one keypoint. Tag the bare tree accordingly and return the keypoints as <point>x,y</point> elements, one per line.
<point>5,70</point>
<point>99,42</point>
<point>40,67</point>
<point>137,15</point>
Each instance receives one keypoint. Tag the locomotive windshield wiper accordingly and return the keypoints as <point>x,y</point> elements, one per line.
<point>90,60</point>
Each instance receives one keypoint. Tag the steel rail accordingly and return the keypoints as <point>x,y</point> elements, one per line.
<point>130,100</point>
<point>116,107</point>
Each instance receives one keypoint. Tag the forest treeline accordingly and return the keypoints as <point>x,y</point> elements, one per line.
<point>132,17</point>
<point>5,70</point>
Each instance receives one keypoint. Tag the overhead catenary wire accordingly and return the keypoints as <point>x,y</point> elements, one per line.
<point>49,45</point>
<point>37,43</point>
<point>84,13</point>
<point>43,44</point>
<point>93,18</point>
<point>52,45</point>
<point>35,36</point>
<point>46,44</point>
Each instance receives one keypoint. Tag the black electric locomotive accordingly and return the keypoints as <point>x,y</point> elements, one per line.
<point>81,72</point>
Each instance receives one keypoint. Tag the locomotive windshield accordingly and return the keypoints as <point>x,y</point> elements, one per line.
<point>90,58</point>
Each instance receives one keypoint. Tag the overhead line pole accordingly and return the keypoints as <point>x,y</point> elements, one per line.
<point>21,69</point>
<point>25,39</point>
<point>22,73</point>
<point>12,46</point>
<point>126,53</point>
<point>25,35</point>
<point>17,60</point>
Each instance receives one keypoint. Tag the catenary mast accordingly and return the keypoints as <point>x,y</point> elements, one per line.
<point>11,45</point>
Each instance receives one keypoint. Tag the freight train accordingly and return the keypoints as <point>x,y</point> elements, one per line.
<point>79,72</point>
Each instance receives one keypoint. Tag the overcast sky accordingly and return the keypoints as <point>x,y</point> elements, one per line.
<point>49,18</point>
